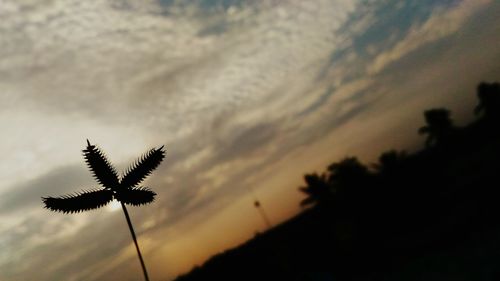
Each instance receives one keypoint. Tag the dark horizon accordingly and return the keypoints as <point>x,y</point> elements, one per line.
<point>426,215</point>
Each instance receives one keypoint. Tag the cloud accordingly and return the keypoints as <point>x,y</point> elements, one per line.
<point>118,66</point>
<point>440,25</point>
<point>68,244</point>
<point>245,142</point>
<point>232,88</point>
<point>57,182</point>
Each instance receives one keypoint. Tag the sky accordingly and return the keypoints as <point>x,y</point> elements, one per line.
<point>246,95</point>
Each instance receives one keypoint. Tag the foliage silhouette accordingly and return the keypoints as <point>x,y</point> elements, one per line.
<point>390,220</point>
<point>389,162</point>
<point>489,100</point>
<point>439,126</point>
<point>348,173</point>
<point>124,190</point>
<point>317,189</point>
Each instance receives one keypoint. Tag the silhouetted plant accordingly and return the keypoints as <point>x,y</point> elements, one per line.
<point>347,172</point>
<point>390,161</point>
<point>439,126</point>
<point>489,100</point>
<point>124,189</point>
<point>263,213</point>
<point>406,209</point>
<point>317,189</point>
<point>257,204</point>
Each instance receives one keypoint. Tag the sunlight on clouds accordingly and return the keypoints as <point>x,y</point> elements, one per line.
<point>237,94</point>
<point>58,140</point>
<point>114,206</point>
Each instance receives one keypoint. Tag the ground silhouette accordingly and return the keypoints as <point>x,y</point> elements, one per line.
<point>430,215</point>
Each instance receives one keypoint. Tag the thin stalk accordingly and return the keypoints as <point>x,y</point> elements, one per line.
<point>263,214</point>
<point>135,241</point>
<point>260,209</point>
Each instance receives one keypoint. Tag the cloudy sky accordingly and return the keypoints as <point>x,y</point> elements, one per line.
<point>246,96</point>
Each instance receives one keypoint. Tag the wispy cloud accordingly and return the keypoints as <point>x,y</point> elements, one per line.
<point>441,23</point>
<point>236,90</point>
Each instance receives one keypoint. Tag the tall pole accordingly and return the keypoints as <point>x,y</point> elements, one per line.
<point>135,241</point>
<point>263,214</point>
<point>259,208</point>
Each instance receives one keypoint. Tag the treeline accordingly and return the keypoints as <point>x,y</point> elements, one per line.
<point>451,184</point>
<point>366,222</point>
<point>400,184</point>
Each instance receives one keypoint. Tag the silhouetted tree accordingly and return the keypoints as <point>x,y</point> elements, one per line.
<point>392,179</point>
<point>347,172</point>
<point>489,100</point>
<point>390,161</point>
<point>317,189</point>
<point>412,206</point>
<point>439,126</point>
<point>125,189</point>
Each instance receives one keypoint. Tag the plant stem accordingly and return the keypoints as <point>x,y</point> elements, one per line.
<point>135,241</point>
<point>264,216</point>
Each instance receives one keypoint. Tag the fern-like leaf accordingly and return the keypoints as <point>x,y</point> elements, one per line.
<point>100,167</point>
<point>79,202</point>
<point>142,167</point>
<point>136,196</point>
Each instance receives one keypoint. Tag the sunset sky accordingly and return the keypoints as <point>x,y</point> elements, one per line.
<point>246,95</point>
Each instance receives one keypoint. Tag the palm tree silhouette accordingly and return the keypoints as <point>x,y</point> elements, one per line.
<point>318,191</point>
<point>439,126</point>
<point>390,162</point>
<point>125,189</point>
<point>348,172</point>
<point>489,100</point>
<point>349,178</point>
